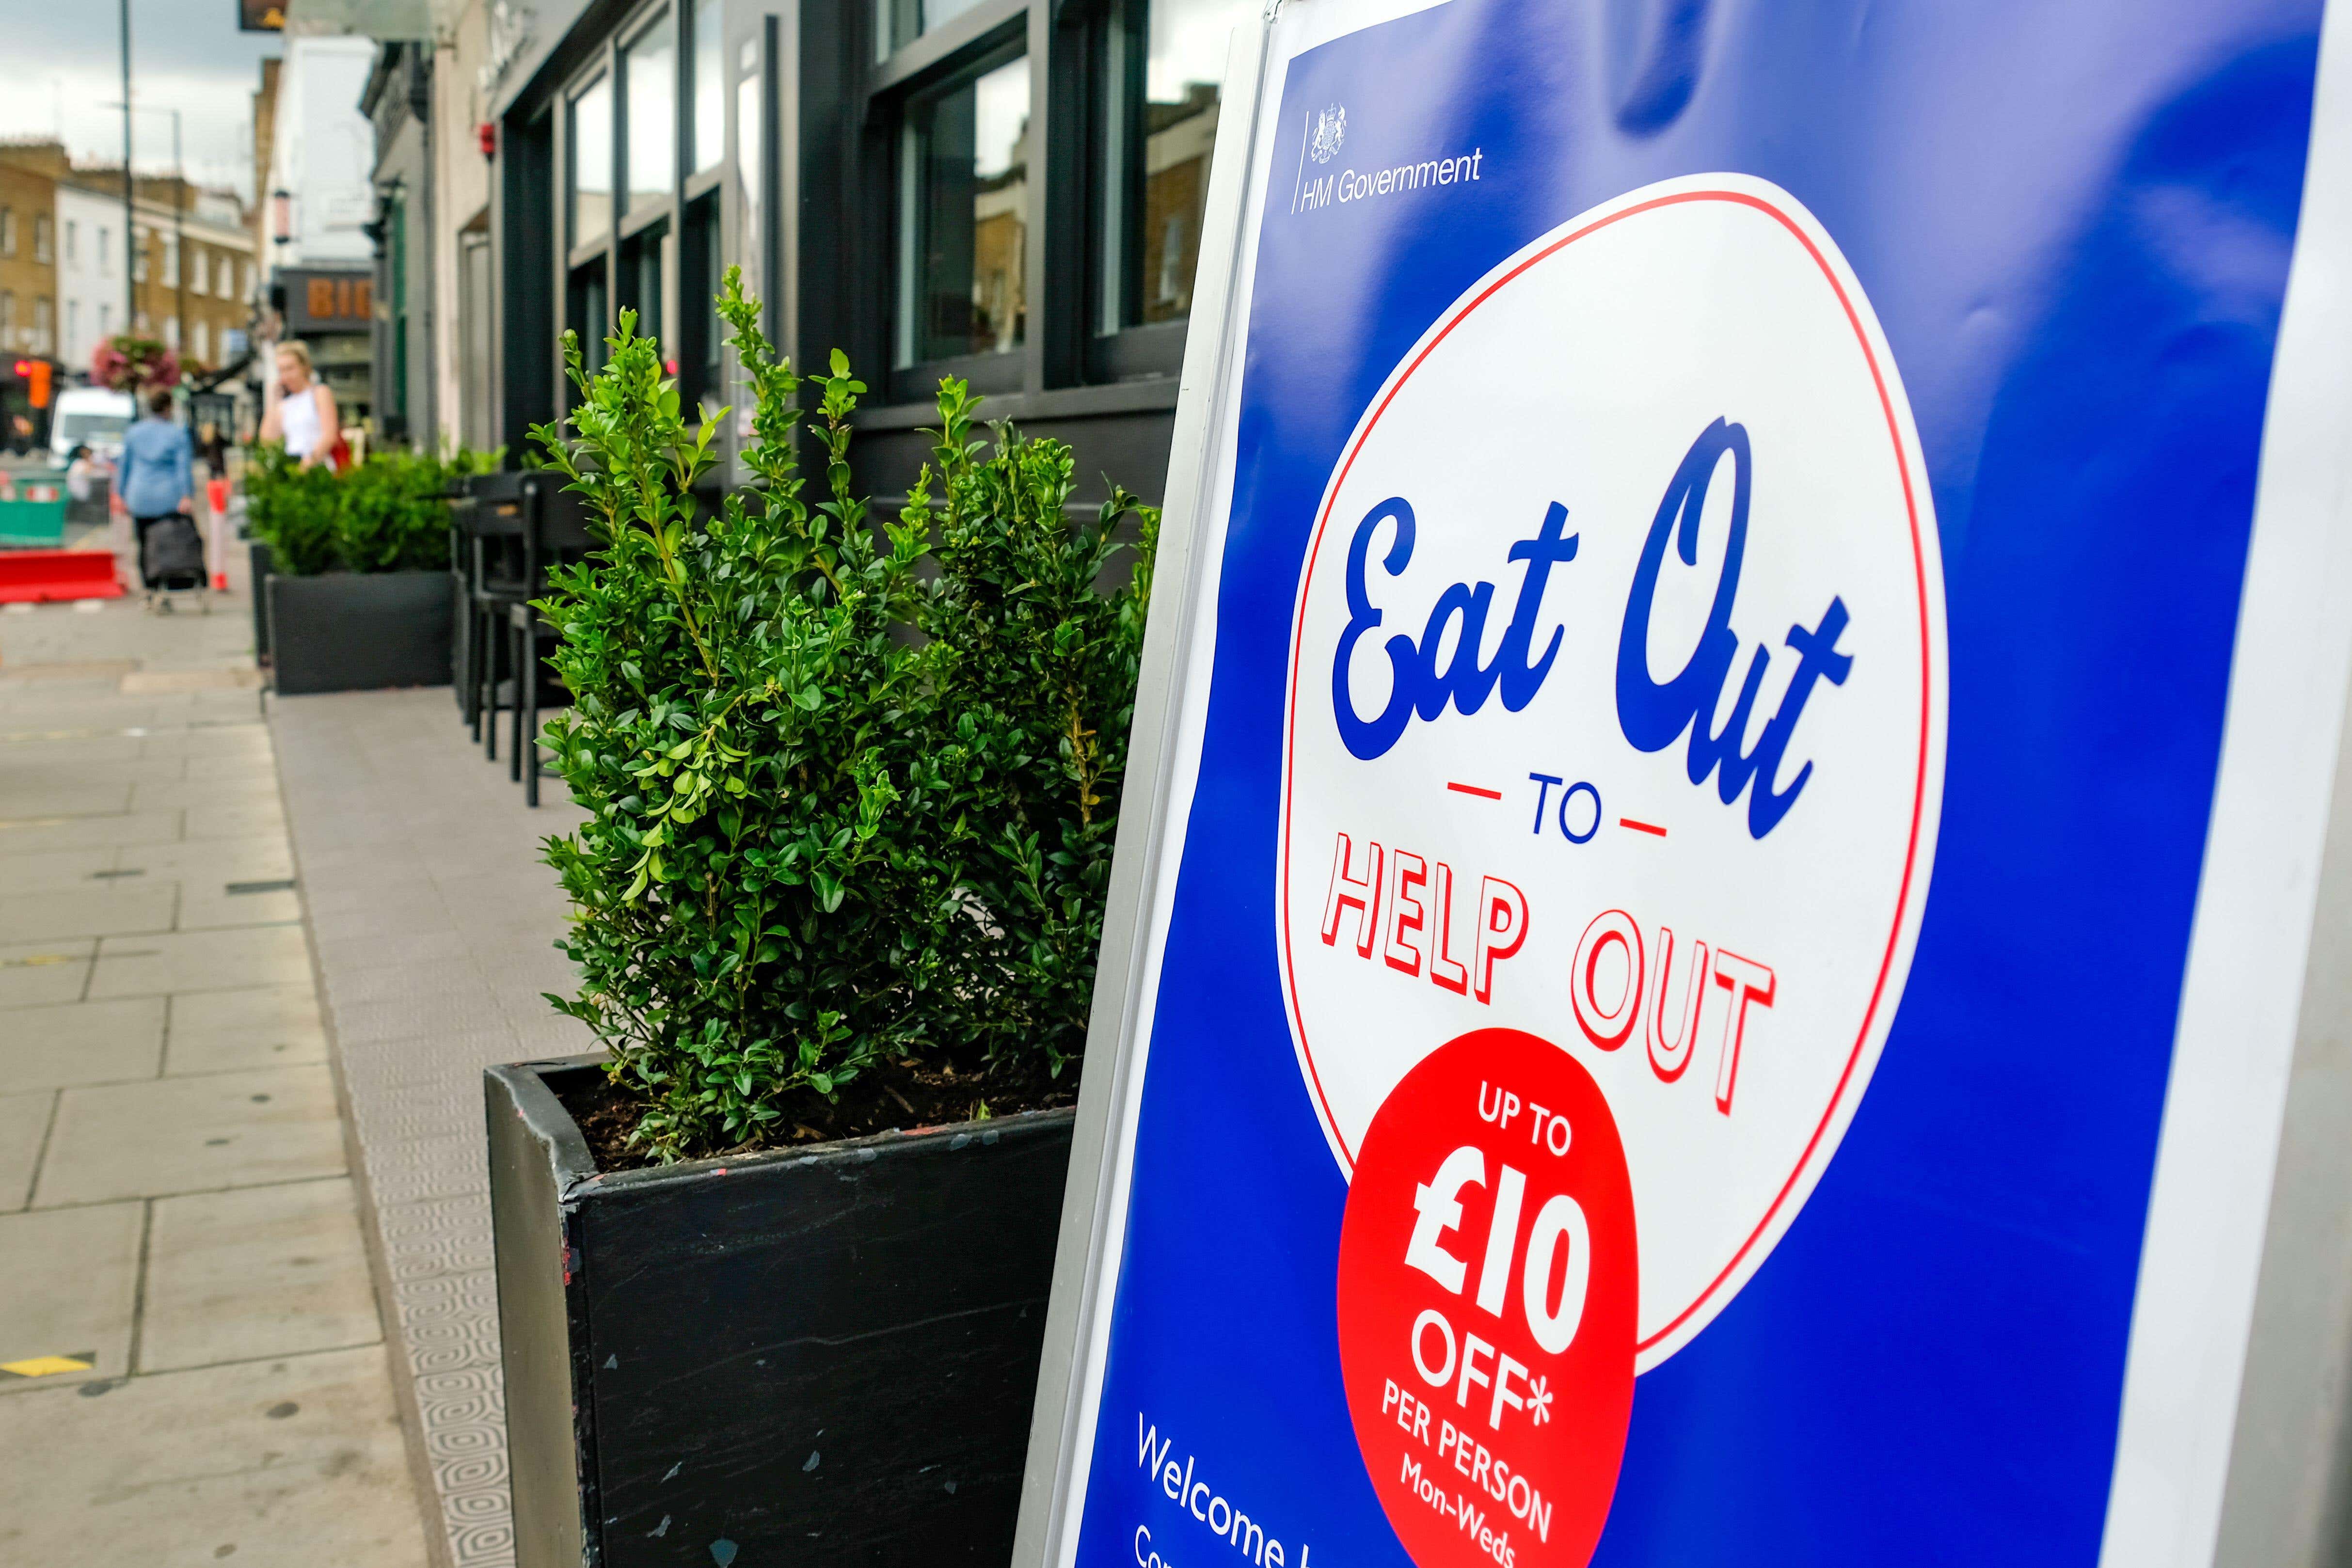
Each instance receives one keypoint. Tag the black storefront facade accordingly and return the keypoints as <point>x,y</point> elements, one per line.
<point>1009,191</point>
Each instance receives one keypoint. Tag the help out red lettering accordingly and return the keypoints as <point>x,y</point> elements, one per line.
<point>1611,1014</point>
<point>1403,905</point>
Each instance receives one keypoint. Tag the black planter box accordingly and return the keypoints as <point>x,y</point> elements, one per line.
<point>263,566</point>
<point>822,1356</point>
<point>347,632</point>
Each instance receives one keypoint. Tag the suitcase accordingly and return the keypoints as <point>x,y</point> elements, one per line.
<point>172,555</point>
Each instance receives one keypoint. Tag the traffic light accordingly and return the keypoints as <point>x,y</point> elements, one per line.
<point>34,374</point>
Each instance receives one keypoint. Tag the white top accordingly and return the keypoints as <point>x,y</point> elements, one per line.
<point>298,415</point>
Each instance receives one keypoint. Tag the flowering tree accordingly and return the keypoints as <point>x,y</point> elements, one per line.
<point>132,364</point>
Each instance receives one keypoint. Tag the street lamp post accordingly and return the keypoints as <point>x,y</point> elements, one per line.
<point>179,211</point>
<point>130,233</point>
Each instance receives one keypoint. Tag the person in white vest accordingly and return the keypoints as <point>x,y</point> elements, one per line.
<point>299,410</point>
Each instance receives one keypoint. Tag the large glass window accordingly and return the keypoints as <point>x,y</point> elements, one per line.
<point>592,163</point>
<point>1163,63</point>
<point>898,23</point>
<point>964,215</point>
<point>649,72</point>
<point>709,85</point>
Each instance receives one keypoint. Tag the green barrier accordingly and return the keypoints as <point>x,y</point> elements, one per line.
<point>32,522</point>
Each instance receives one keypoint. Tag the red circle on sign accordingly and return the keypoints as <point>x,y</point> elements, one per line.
<point>1488,1290</point>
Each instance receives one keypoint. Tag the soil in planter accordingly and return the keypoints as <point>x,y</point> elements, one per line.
<point>905,1095</point>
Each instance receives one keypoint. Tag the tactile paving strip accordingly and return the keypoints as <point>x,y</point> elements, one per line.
<point>432,917</point>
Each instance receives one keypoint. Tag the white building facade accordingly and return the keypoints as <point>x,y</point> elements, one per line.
<point>90,283</point>
<point>322,156</point>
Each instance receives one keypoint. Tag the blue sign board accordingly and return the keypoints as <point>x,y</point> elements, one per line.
<point>1737,751</point>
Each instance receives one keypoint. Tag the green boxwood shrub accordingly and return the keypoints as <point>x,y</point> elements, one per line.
<point>840,812</point>
<point>387,514</point>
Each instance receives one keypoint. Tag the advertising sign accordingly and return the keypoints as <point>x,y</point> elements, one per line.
<point>1744,688</point>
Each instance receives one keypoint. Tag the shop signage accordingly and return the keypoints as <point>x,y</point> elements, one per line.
<point>1716,583</point>
<point>328,301</point>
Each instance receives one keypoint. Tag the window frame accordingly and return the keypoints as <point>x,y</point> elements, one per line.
<point>1064,367</point>
<point>1004,371</point>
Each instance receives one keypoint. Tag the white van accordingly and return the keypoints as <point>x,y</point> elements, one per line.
<point>95,417</point>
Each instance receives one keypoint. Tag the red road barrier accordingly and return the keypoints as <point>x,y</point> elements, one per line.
<point>51,574</point>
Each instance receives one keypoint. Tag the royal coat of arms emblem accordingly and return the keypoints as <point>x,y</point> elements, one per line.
<point>1330,130</point>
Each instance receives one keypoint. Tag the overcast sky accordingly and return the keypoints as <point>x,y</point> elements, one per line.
<point>63,67</point>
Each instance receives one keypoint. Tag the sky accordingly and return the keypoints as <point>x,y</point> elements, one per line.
<point>64,68</point>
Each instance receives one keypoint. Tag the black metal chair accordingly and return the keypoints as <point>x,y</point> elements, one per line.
<point>497,528</point>
<point>559,536</point>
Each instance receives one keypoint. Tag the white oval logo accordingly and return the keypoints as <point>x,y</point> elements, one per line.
<point>1616,711</point>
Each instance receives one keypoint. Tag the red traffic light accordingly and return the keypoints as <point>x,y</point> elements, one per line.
<point>24,367</point>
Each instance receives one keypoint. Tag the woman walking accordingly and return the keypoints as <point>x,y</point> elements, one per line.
<point>158,482</point>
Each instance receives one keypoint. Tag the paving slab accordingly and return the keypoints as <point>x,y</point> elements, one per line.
<point>200,961</point>
<point>43,871</point>
<point>68,1285</point>
<point>24,1127</point>
<point>81,1042</point>
<point>294,1463</point>
<point>190,1135</point>
<point>212,904</point>
<point>254,856</point>
<point>107,908</point>
<point>238,1276</point>
<point>226,819</point>
<point>42,834</point>
<point>33,974</point>
<point>29,795</point>
<point>223,1032</point>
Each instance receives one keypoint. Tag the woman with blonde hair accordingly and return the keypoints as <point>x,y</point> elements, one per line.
<point>299,410</point>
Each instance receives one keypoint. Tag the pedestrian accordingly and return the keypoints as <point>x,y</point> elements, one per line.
<point>212,446</point>
<point>155,478</point>
<point>82,474</point>
<point>300,411</point>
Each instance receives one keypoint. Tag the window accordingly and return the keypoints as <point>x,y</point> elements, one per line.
<point>7,318</point>
<point>142,243</point>
<point>73,330</point>
<point>592,164</point>
<point>709,86</point>
<point>73,258</point>
<point>585,312</point>
<point>1163,61</point>
<point>898,23</point>
<point>200,272</point>
<point>172,333</point>
<point>202,333</point>
<point>641,280</point>
<point>44,325</point>
<point>171,263</point>
<point>41,238</point>
<point>963,216</point>
<point>106,252</point>
<point>650,75</point>
<point>7,231</point>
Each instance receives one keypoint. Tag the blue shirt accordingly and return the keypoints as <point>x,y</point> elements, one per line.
<point>155,474</point>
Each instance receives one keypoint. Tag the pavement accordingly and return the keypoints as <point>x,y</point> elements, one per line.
<point>193,1362</point>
